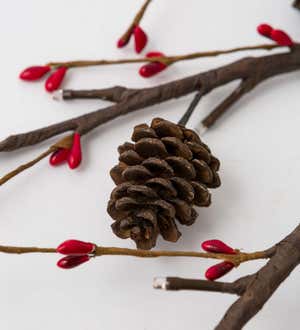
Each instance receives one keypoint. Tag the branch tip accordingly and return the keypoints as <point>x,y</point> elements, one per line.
<point>160,283</point>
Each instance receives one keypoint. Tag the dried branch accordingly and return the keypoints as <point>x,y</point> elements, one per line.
<point>236,259</point>
<point>176,283</point>
<point>254,290</point>
<point>251,70</point>
<point>138,17</point>
<point>168,60</point>
<point>296,4</point>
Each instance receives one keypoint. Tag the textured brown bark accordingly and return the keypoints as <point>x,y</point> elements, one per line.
<point>251,71</point>
<point>297,4</point>
<point>254,290</point>
<point>263,284</point>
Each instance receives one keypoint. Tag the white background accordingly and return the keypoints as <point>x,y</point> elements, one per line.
<point>257,142</point>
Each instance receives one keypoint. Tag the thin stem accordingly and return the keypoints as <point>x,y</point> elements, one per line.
<point>164,59</point>
<point>24,167</point>
<point>186,116</point>
<point>65,143</point>
<point>22,250</point>
<point>138,17</point>
<point>101,251</point>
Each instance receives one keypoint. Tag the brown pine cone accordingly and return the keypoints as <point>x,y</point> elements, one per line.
<point>160,178</point>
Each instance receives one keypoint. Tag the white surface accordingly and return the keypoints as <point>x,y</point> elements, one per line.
<point>257,205</point>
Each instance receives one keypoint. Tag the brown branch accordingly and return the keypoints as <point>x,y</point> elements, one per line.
<point>296,4</point>
<point>168,60</point>
<point>138,17</point>
<point>251,69</point>
<point>244,87</point>
<point>176,283</point>
<point>236,259</point>
<point>254,290</point>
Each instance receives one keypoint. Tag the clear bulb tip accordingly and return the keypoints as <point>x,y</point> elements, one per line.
<point>160,283</point>
<point>58,95</point>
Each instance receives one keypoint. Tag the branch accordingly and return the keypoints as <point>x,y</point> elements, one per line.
<point>244,87</point>
<point>176,283</point>
<point>254,290</point>
<point>251,69</point>
<point>138,17</point>
<point>296,4</point>
<point>168,60</point>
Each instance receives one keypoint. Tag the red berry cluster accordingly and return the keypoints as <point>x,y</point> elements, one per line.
<point>279,36</point>
<point>52,83</point>
<point>77,253</point>
<point>216,271</point>
<point>140,39</point>
<point>73,155</point>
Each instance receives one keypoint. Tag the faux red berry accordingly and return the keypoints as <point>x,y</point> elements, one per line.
<point>153,68</point>
<point>122,43</point>
<point>34,72</point>
<point>56,78</point>
<point>75,247</point>
<point>217,246</point>
<point>281,38</point>
<point>265,30</point>
<point>72,261</point>
<point>140,38</point>
<point>59,156</point>
<point>218,270</point>
<point>75,155</point>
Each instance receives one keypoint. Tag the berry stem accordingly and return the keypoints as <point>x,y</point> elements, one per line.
<point>64,143</point>
<point>138,17</point>
<point>101,251</point>
<point>168,60</point>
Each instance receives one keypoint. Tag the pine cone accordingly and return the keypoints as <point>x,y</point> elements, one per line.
<point>159,178</point>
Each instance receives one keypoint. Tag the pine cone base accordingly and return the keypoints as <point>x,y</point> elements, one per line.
<point>161,176</point>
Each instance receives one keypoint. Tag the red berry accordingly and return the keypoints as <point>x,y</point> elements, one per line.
<point>75,247</point>
<point>59,156</point>
<point>265,30</point>
<point>75,154</point>
<point>155,54</point>
<point>151,69</point>
<point>140,39</point>
<point>72,261</point>
<point>121,42</point>
<point>218,270</point>
<point>56,78</point>
<point>281,38</point>
<point>34,72</point>
<point>217,246</point>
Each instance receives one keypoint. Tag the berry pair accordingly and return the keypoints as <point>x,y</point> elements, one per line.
<point>216,271</point>
<point>140,39</point>
<point>52,83</point>
<point>77,253</point>
<point>279,36</point>
<point>73,155</point>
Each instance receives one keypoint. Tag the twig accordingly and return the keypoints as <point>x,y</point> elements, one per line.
<point>250,69</point>
<point>254,290</point>
<point>138,17</point>
<point>184,119</point>
<point>236,259</point>
<point>176,283</point>
<point>168,60</point>
<point>244,87</point>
